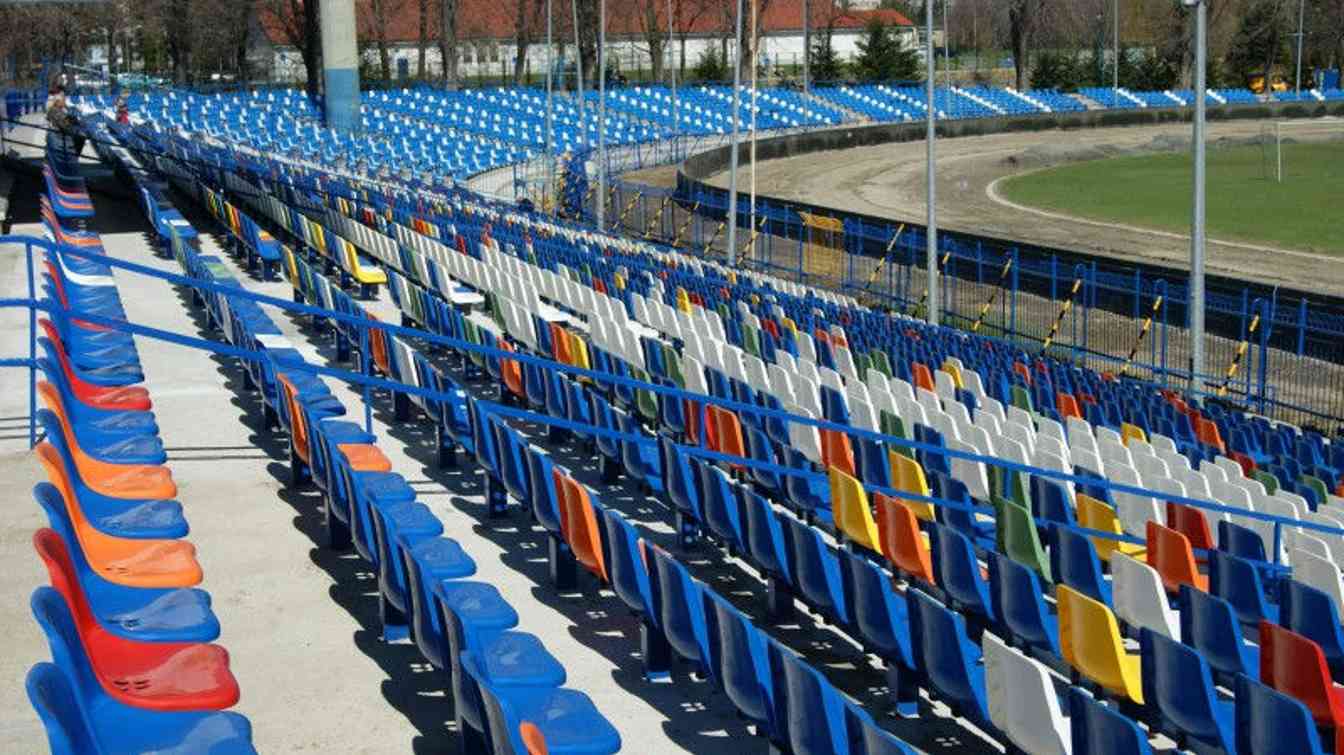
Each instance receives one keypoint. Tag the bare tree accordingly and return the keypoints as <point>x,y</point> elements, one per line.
<point>422,39</point>
<point>298,21</point>
<point>685,15</point>
<point>1022,15</point>
<point>653,27</point>
<point>448,43</point>
<point>528,16</point>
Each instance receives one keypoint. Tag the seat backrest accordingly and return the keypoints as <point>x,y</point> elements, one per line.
<point>1269,722</point>
<point>1139,596</point>
<point>1073,561</point>
<point>626,567</point>
<point>680,605</point>
<point>1091,642</point>
<point>1178,683</point>
<point>1311,613</point>
<point>943,652</point>
<point>1021,541</point>
<point>1100,729</point>
<point>1022,700</point>
<point>578,517</point>
<point>1017,597</point>
<point>1317,572</point>
<point>1170,554</point>
<point>813,708</point>
<point>901,540</point>
<point>739,659</point>
<point>60,709</point>
<point>908,476</point>
<point>67,647</point>
<point>1209,625</point>
<point>956,569</point>
<point>1295,666</point>
<point>852,512</point>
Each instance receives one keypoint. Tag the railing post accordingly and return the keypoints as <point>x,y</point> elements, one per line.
<point>32,347</point>
<point>366,369</point>
<point>1012,306</point>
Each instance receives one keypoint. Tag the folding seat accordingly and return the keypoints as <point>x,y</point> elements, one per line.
<point>680,607</point>
<point>881,617</point>
<point>1074,562</point>
<point>1091,643</point>
<point>1169,552</point>
<point>739,661</point>
<point>958,573</point>
<point>867,738</point>
<point>1209,625</point>
<point>1178,685</point>
<point>1022,701</point>
<point>631,582</point>
<point>160,676</point>
<point>1317,572</point>
<point>1020,539</point>
<point>1100,729</point>
<point>682,490</point>
<point>1269,722</point>
<point>902,542</point>
<point>1139,597</point>
<point>536,718</point>
<point>426,562</point>
<point>948,662</point>
<point>1295,666</point>
<point>852,512</point>
<point>1312,614</point>
<point>723,514</point>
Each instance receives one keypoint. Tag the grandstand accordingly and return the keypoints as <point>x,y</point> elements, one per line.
<point>593,493</point>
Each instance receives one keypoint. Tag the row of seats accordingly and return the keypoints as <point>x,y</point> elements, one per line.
<point>135,668</point>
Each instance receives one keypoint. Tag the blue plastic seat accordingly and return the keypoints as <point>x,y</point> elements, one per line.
<point>1237,581</point>
<point>1099,729</point>
<point>954,491</point>
<point>680,608</point>
<point>723,513</point>
<point>1210,626</point>
<point>1050,501</point>
<point>946,659</point>
<point>813,710</point>
<point>739,660</point>
<point>882,618</point>
<point>867,738</point>
<point>536,719</point>
<point>640,458</point>
<point>1269,722</point>
<point>80,720</point>
<point>427,562</point>
<point>1074,562</point>
<point>513,465</point>
<point>816,571</point>
<point>758,446</point>
<point>1178,685</point>
<point>1016,592</point>
<point>769,552</point>
<point>1240,541</point>
<point>958,573</point>
<point>682,490</point>
<point>541,484</point>
<point>1311,613</point>
<point>809,494</point>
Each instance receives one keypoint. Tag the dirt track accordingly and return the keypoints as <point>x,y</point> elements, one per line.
<point>888,181</point>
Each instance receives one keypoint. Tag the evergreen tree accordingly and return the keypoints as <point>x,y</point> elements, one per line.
<point>1056,70</point>
<point>1261,42</point>
<point>882,57</point>
<point>710,67</point>
<point>824,63</point>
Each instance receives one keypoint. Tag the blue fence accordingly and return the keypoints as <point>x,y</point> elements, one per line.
<point>1276,351</point>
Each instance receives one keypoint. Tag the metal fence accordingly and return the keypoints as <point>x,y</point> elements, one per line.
<point>1277,352</point>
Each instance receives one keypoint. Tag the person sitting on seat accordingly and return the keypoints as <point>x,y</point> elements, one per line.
<point>60,119</point>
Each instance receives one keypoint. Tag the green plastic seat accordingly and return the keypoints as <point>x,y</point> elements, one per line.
<point>880,362</point>
<point>751,341</point>
<point>1022,399</point>
<point>673,364</point>
<point>646,402</point>
<point>1317,484</point>
<point>1270,482</point>
<point>892,425</point>
<point>1020,540</point>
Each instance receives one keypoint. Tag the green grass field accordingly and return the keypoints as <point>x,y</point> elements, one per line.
<point>1245,203</point>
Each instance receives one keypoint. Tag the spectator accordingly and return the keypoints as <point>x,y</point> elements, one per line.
<point>60,119</point>
<point>123,110</point>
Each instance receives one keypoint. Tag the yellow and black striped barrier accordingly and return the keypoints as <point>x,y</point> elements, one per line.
<point>715,237</point>
<point>1068,305</point>
<point>657,216</point>
<point>941,264</point>
<point>633,201</point>
<point>1236,360</point>
<point>886,257</point>
<point>1143,333</point>
<point>752,239</point>
<point>690,218</point>
<point>994,294</point>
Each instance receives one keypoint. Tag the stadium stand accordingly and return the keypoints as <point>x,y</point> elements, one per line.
<point>862,464</point>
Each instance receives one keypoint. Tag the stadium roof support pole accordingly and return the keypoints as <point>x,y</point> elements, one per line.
<point>931,257</point>
<point>1196,303</point>
<point>733,141</point>
<point>550,107</point>
<point>602,115</point>
<point>340,65</point>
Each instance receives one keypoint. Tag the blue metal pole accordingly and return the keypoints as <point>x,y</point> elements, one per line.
<point>32,348</point>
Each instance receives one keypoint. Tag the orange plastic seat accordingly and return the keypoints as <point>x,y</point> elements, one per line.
<point>836,451</point>
<point>578,522</point>
<point>1023,371</point>
<point>727,437</point>
<point>923,378</point>
<point>902,541</point>
<point>135,482</point>
<point>560,343</point>
<point>1170,554</point>
<point>1190,521</point>
<point>298,426</point>
<point>134,563</point>
<point>365,457</point>
<point>512,373</point>
<point>1207,432</point>
<point>1067,406</point>
<point>378,345</point>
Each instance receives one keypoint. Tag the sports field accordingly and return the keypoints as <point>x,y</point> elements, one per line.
<point>1245,203</point>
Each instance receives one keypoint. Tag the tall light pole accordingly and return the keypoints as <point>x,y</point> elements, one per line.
<point>671,61</point>
<point>550,107</point>
<point>931,258</point>
<point>807,46</point>
<point>602,115</point>
<point>732,158</point>
<point>1115,64</point>
<point>1301,28</point>
<point>1196,299</point>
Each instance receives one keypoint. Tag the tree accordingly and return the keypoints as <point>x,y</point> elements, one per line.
<point>1022,16</point>
<point>1056,70</point>
<point>377,15</point>
<point>882,57</point>
<point>422,40</point>
<point>528,15</point>
<point>448,43</point>
<point>710,67</point>
<point>824,62</point>
<point>1261,41</point>
<point>298,21</point>
<point>653,27</point>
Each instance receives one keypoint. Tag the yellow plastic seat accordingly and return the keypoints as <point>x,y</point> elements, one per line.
<point>579,348</point>
<point>1089,638</point>
<point>683,301</point>
<point>908,476</point>
<point>1130,432</point>
<point>1097,515</point>
<point>365,275</point>
<point>952,370</point>
<point>853,515</point>
<point>291,265</point>
<point>315,237</point>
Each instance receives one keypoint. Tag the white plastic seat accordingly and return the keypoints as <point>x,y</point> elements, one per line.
<point>971,473</point>
<point>1022,417</point>
<point>1305,543</point>
<point>1162,443</point>
<point>901,389</point>
<point>805,438</point>
<point>1105,434</point>
<point>1051,429</point>
<point>1019,434</point>
<point>944,386</point>
<point>1314,571</point>
<point>1089,461</point>
<point>1133,510</point>
<point>1334,544</point>
<point>1022,701</point>
<point>1212,471</point>
<point>861,415</point>
<point>1139,598</point>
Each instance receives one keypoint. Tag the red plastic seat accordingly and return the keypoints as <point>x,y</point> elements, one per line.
<point>1170,554</point>
<point>1295,666</point>
<point>1021,370</point>
<point>923,378</point>
<point>1190,521</point>
<point>1067,406</point>
<point>1246,463</point>
<point>128,398</point>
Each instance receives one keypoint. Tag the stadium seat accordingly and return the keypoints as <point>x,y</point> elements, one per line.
<point>1140,599</point>
<point>1021,541</point>
<point>1074,562</point>
<point>740,661</point>
<point>1237,581</point>
<point>958,574</point>
<point>1209,625</point>
<point>1295,666</point>
<point>681,609</point>
<point>947,659</point>
<point>1091,643</point>
<point>1022,700</point>
<point>853,514</point>
<point>1311,613</point>
<point>1169,552</point>
<point>902,541</point>
<point>1269,722</point>
<point>1018,602</point>
<point>1177,683</point>
<point>881,617</point>
<point>1100,729</point>
<point>816,571</point>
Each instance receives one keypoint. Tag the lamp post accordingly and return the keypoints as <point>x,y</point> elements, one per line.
<point>602,115</point>
<point>931,257</point>
<point>1197,240</point>
<point>1301,28</point>
<point>732,160</point>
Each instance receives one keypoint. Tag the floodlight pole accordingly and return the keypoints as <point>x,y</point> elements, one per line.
<point>931,257</point>
<point>733,141</point>
<point>1301,28</point>
<point>1115,64</point>
<point>1197,241</point>
<point>672,68</point>
<point>550,107</point>
<point>602,115</point>
<point>807,47</point>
